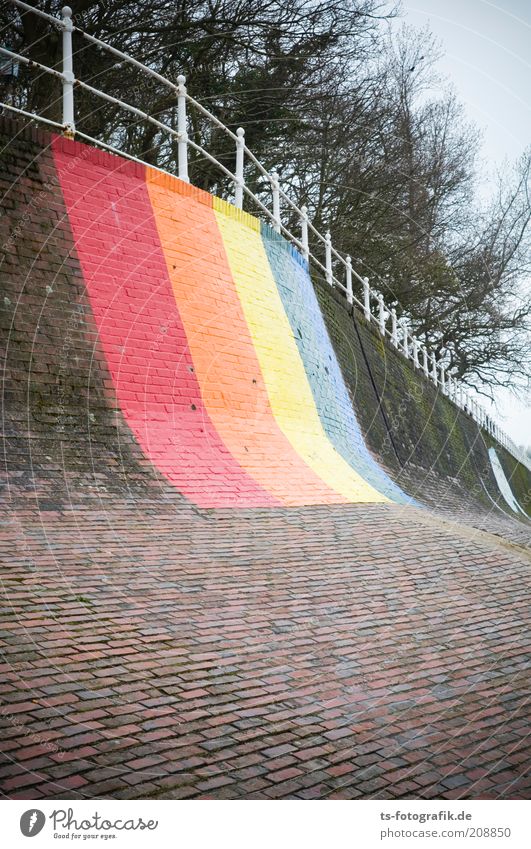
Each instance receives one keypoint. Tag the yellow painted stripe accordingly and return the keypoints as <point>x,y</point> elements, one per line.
<point>225,362</point>
<point>287,386</point>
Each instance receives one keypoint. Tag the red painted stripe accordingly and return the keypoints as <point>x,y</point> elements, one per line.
<point>140,329</point>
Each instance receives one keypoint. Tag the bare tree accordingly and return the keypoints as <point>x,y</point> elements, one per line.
<point>390,165</point>
<point>357,122</point>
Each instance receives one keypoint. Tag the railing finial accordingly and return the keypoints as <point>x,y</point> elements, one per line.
<point>366,299</point>
<point>415,343</point>
<point>182,145</point>
<point>240,157</point>
<point>69,126</point>
<point>350,294</point>
<point>405,339</point>
<point>425,360</point>
<point>328,258</point>
<point>434,375</point>
<point>276,200</point>
<point>304,233</point>
<point>394,328</point>
<point>382,313</point>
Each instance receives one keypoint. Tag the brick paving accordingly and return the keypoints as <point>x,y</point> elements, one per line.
<point>152,650</point>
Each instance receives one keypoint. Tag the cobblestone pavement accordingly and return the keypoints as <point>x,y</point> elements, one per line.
<point>338,652</point>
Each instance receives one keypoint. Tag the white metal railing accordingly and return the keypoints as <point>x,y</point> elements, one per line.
<point>373,304</point>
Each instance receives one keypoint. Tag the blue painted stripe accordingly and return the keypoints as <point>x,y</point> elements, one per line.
<point>329,390</point>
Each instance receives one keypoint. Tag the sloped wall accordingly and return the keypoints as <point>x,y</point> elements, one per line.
<point>61,427</point>
<point>436,452</point>
<point>155,336</point>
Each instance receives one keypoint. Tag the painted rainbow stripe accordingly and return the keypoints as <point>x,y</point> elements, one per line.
<point>225,360</point>
<point>320,362</point>
<point>217,351</point>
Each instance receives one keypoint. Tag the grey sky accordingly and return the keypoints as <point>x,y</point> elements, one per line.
<point>487,46</point>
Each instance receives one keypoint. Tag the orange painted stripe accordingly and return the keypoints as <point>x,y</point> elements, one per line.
<point>224,358</point>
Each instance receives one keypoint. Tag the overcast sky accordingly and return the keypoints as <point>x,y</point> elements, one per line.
<point>487,49</point>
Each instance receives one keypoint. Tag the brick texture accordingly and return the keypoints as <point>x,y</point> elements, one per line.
<point>223,354</point>
<point>436,452</point>
<point>141,330</point>
<point>154,649</point>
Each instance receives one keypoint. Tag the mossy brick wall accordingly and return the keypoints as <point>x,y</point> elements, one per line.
<point>434,450</point>
<point>60,418</point>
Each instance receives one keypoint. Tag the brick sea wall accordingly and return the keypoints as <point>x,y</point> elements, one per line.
<point>61,422</point>
<point>158,341</point>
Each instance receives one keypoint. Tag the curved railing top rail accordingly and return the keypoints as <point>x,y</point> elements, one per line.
<point>411,347</point>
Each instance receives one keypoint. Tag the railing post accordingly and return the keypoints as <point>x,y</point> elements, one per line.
<point>415,351</point>
<point>304,233</point>
<point>442,370</point>
<point>381,313</point>
<point>434,368</point>
<point>425,360</point>
<point>182,145</point>
<point>276,201</point>
<point>328,258</point>
<point>394,328</point>
<point>350,296</point>
<point>405,342</point>
<point>240,154</point>
<point>68,74</point>
<point>366,298</point>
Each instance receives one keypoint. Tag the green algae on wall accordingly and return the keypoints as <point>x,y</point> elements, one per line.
<point>413,429</point>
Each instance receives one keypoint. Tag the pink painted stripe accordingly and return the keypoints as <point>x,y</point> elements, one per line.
<point>140,329</point>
